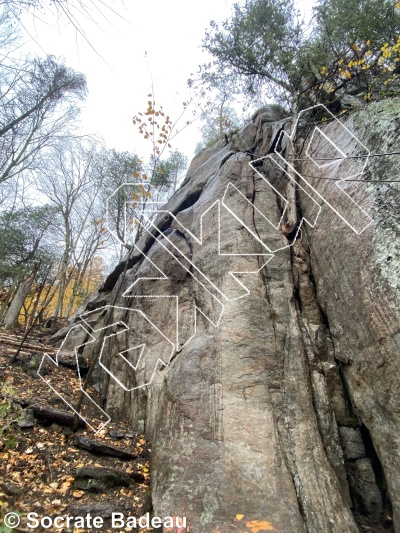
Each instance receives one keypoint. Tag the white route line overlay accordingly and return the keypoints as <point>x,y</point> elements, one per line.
<point>89,331</point>
<point>199,240</point>
<point>48,358</point>
<point>338,183</point>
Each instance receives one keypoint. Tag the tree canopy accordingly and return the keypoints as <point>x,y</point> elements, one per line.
<point>38,105</point>
<point>267,49</point>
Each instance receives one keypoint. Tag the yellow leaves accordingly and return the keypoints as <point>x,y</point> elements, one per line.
<point>378,66</point>
<point>65,486</point>
<point>136,175</point>
<point>144,468</point>
<point>78,494</point>
<point>256,526</point>
<point>386,51</point>
<point>158,129</point>
<point>135,196</point>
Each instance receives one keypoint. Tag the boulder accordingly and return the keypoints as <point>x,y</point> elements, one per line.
<point>269,384</point>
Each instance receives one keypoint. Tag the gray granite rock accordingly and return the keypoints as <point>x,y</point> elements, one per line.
<point>278,365</point>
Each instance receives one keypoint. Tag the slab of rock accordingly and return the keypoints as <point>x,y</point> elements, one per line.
<point>100,479</point>
<point>103,509</point>
<point>119,434</point>
<point>55,415</point>
<point>367,496</point>
<point>273,356</point>
<point>245,139</point>
<point>357,279</point>
<point>27,419</point>
<point>353,446</point>
<point>11,489</point>
<point>102,448</point>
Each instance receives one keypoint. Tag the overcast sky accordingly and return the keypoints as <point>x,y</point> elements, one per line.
<point>159,39</point>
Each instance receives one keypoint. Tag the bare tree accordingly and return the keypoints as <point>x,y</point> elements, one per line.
<point>24,254</point>
<point>74,12</point>
<point>37,105</point>
<point>70,180</point>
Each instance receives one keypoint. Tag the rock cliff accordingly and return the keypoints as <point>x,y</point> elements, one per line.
<point>280,400</point>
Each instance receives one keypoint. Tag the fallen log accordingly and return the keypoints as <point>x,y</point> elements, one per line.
<point>102,448</point>
<point>26,346</point>
<point>55,415</point>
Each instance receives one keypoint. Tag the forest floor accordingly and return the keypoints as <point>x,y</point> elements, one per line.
<point>49,469</point>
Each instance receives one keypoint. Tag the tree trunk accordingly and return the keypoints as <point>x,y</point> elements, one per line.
<point>4,305</point>
<point>31,317</point>
<point>11,317</point>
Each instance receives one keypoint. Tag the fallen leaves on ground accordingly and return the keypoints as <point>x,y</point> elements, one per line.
<point>40,462</point>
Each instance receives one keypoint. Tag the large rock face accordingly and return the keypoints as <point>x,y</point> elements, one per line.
<point>280,401</point>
